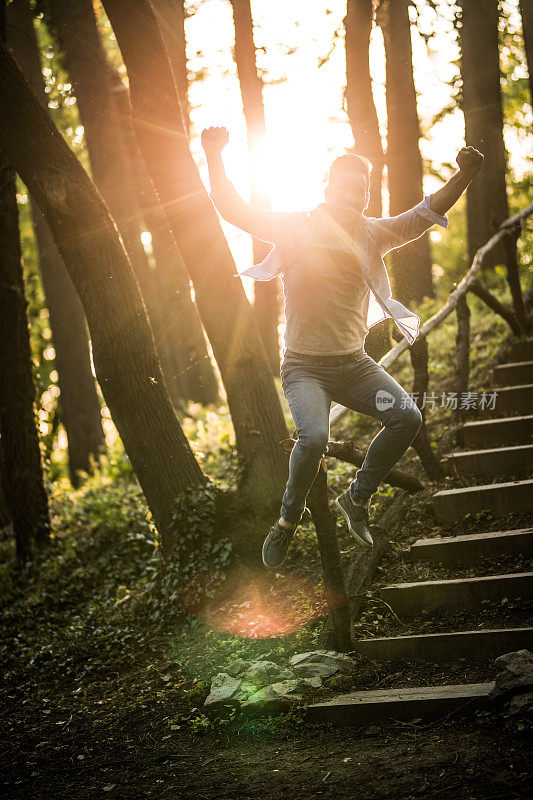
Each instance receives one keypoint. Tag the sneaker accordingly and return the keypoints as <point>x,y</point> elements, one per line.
<point>276,545</point>
<point>357,518</point>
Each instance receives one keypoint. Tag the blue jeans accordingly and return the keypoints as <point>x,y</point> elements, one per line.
<point>363,386</point>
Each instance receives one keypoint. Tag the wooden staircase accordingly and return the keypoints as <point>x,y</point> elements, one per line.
<point>503,443</point>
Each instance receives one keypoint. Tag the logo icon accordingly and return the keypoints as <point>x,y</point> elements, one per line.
<point>384,399</point>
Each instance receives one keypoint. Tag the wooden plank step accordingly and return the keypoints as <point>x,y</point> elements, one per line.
<point>383,705</point>
<point>446,647</point>
<point>467,549</point>
<point>522,350</point>
<point>509,399</point>
<point>513,373</point>
<point>458,594</point>
<point>506,430</point>
<point>513,460</point>
<point>451,505</point>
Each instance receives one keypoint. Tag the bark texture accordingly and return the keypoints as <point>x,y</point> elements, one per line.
<point>267,293</point>
<point>23,476</point>
<point>227,316</point>
<point>360,106</point>
<point>189,372</point>
<point>171,20</point>
<point>410,265</point>
<point>526,12</point>
<point>487,205</point>
<point>79,403</point>
<point>124,353</point>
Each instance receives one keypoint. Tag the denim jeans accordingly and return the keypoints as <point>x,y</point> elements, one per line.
<point>361,385</point>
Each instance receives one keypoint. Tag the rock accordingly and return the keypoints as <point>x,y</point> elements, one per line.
<point>521,705</point>
<point>263,673</point>
<point>225,690</point>
<point>279,696</point>
<point>321,663</point>
<point>515,672</point>
<point>237,667</point>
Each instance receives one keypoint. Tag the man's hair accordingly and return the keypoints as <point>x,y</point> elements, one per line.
<point>349,161</point>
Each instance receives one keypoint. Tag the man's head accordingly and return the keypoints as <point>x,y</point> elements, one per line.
<point>349,182</point>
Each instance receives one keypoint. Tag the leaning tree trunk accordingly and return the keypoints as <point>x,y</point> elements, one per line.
<point>487,205</point>
<point>79,403</point>
<point>228,319</point>
<point>189,373</point>
<point>364,123</point>
<point>411,265</point>
<point>267,293</point>
<point>75,25</point>
<point>26,495</point>
<point>170,16</point>
<point>526,12</point>
<point>124,354</point>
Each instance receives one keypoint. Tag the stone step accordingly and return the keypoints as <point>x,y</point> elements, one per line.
<point>383,705</point>
<point>468,549</point>
<point>442,647</point>
<point>513,373</point>
<point>458,594</point>
<point>451,505</point>
<point>513,460</point>
<point>522,350</point>
<point>507,430</point>
<point>509,400</point>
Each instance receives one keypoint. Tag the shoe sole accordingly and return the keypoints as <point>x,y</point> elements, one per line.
<point>354,533</point>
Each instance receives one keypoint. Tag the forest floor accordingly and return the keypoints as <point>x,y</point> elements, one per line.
<point>101,699</point>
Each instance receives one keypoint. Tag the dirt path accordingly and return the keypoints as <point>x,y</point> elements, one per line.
<point>465,759</point>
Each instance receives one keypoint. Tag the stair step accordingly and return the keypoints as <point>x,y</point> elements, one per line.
<point>442,647</point>
<point>458,594</point>
<point>512,373</point>
<point>507,430</point>
<point>467,549</point>
<point>522,350</point>
<point>513,460</point>
<point>382,705</point>
<point>509,399</point>
<point>501,499</point>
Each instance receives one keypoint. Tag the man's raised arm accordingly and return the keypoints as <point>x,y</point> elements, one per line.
<point>393,232</point>
<point>470,162</point>
<point>269,226</point>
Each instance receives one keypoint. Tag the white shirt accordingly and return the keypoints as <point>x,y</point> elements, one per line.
<point>371,241</point>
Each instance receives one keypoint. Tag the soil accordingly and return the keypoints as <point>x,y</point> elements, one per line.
<point>93,755</point>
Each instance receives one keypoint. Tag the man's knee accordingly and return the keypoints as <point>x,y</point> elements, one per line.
<point>412,418</point>
<point>314,442</point>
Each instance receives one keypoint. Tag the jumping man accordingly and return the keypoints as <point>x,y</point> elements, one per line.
<point>336,287</point>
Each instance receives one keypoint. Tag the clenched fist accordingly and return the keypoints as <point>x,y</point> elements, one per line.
<point>214,139</point>
<point>470,160</point>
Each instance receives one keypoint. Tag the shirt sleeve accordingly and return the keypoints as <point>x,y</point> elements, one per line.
<point>262,223</point>
<point>392,232</point>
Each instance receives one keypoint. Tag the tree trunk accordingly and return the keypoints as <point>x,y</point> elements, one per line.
<point>487,204</point>
<point>26,495</point>
<point>267,293</point>
<point>410,265</point>
<point>360,105</point>
<point>124,353</point>
<point>526,12</point>
<point>228,319</point>
<point>170,16</point>
<point>5,513</point>
<point>79,403</point>
<point>363,119</point>
<point>188,370</point>
<point>74,22</point>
